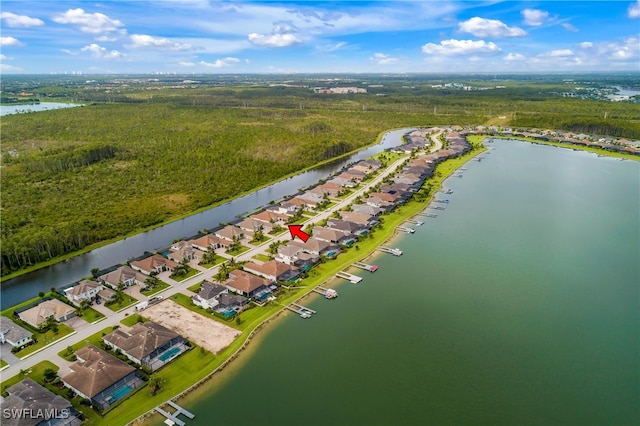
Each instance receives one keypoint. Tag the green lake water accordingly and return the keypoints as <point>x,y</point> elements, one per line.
<point>517,305</point>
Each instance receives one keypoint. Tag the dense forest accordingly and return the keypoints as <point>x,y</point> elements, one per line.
<point>74,177</point>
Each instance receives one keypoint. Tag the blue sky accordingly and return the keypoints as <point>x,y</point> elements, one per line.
<point>200,36</point>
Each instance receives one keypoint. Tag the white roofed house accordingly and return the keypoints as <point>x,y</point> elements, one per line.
<point>13,334</point>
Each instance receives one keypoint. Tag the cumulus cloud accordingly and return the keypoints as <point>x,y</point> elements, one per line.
<point>90,23</point>
<point>98,51</point>
<point>482,27</point>
<point>12,20</point>
<point>220,63</point>
<point>514,57</point>
<point>561,53</point>
<point>534,17</point>
<point>634,10</point>
<point>9,41</point>
<point>460,47</point>
<point>586,44</point>
<point>274,40</point>
<point>569,27</point>
<point>382,59</point>
<point>144,40</point>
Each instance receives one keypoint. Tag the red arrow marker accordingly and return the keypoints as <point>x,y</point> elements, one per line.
<point>296,231</point>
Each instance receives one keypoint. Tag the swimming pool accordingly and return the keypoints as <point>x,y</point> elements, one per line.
<point>170,353</point>
<point>121,392</point>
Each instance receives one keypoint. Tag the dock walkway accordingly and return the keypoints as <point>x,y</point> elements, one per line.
<point>173,418</point>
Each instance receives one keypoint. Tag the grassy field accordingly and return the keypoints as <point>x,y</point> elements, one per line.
<point>219,260</point>
<point>94,339</point>
<point>3,363</point>
<point>237,252</point>
<point>262,257</point>
<point>34,373</point>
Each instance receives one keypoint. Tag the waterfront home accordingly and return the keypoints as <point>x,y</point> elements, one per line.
<point>125,275</point>
<point>273,215</point>
<point>285,207</point>
<point>367,209</point>
<point>209,294</point>
<point>348,183</point>
<point>311,199</point>
<point>106,294</point>
<point>385,196</point>
<point>84,290</point>
<point>303,203</point>
<point>347,226</point>
<point>154,264</point>
<point>37,316</point>
<point>330,235</point>
<point>317,247</point>
<point>227,301</point>
<point>36,405</point>
<point>273,271</point>
<point>331,189</point>
<point>253,225</point>
<point>207,242</point>
<point>351,175</point>
<point>13,334</point>
<point>361,219</point>
<point>100,377</point>
<point>183,250</point>
<point>376,201</point>
<point>230,233</point>
<point>148,344</point>
<point>248,285</point>
<point>293,255</point>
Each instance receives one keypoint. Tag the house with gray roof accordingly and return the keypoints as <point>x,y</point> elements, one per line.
<point>38,406</point>
<point>13,334</point>
<point>209,295</point>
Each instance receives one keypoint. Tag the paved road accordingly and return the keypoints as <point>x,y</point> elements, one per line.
<point>51,353</point>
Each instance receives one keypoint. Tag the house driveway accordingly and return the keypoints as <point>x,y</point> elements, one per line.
<point>134,291</point>
<point>102,309</point>
<point>76,323</point>
<point>6,355</point>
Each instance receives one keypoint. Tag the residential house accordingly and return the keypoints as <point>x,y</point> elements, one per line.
<point>125,275</point>
<point>36,405</point>
<point>378,202</point>
<point>13,334</point>
<point>370,163</point>
<point>309,204</point>
<point>84,290</point>
<point>367,209</point>
<point>100,377</point>
<point>362,219</point>
<point>273,271</point>
<point>247,284</point>
<point>274,215</point>
<point>285,208</point>
<point>331,189</point>
<point>154,264</point>
<point>228,301</point>
<point>333,236</point>
<point>183,250</point>
<point>293,255</point>
<point>106,294</point>
<point>37,316</point>
<point>253,225</point>
<point>209,241</point>
<point>230,233</point>
<point>347,226</point>
<point>344,182</point>
<point>209,294</point>
<point>317,247</point>
<point>148,344</point>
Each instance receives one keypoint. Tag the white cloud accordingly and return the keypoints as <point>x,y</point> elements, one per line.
<point>186,64</point>
<point>90,23</point>
<point>569,27</point>
<point>144,40</point>
<point>220,63</point>
<point>561,53</point>
<point>460,47</point>
<point>534,17</point>
<point>634,10</point>
<point>482,27</point>
<point>382,59</point>
<point>3,57</point>
<point>98,51</point>
<point>514,57</point>
<point>12,20</point>
<point>274,40</point>
<point>9,41</point>
<point>586,45</point>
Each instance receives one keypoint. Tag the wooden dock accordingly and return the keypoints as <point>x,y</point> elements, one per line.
<point>435,207</point>
<point>415,222</point>
<point>349,277</point>
<point>303,313</point>
<point>445,201</point>
<point>328,293</point>
<point>406,230</point>
<point>366,267</point>
<point>393,251</point>
<point>173,418</point>
<point>446,191</point>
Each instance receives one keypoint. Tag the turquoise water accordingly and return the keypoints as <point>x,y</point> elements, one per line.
<point>168,354</point>
<point>120,393</point>
<point>517,305</point>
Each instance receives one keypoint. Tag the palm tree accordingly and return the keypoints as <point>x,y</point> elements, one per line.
<point>223,272</point>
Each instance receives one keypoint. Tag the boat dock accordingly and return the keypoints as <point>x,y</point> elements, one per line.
<point>328,293</point>
<point>463,168</point>
<point>366,267</point>
<point>173,418</point>
<point>458,175</point>
<point>406,230</point>
<point>425,214</point>
<point>415,222</point>
<point>445,201</point>
<point>304,313</point>
<point>435,207</point>
<point>393,251</point>
<point>349,277</point>
<point>446,191</point>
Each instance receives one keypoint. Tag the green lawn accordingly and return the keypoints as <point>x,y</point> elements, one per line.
<point>3,363</point>
<point>131,320</point>
<point>34,373</point>
<point>190,273</point>
<point>257,243</point>
<point>241,250</point>
<point>279,232</point>
<point>219,260</point>
<point>156,289</point>
<point>126,302</point>
<point>44,339</point>
<point>91,315</point>
<point>262,257</point>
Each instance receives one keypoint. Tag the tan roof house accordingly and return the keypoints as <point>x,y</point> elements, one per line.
<point>245,283</point>
<point>274,271</point>
<point>125,275</point>
<point>38,315</point>
<point>208,241</point>
<point>100,377</point>
<point>230,232</point>
<point>147,344</point>
<point>154,263</point>
<point>84,290</point>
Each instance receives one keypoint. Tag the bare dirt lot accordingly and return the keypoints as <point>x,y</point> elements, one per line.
<point>201,330</point>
